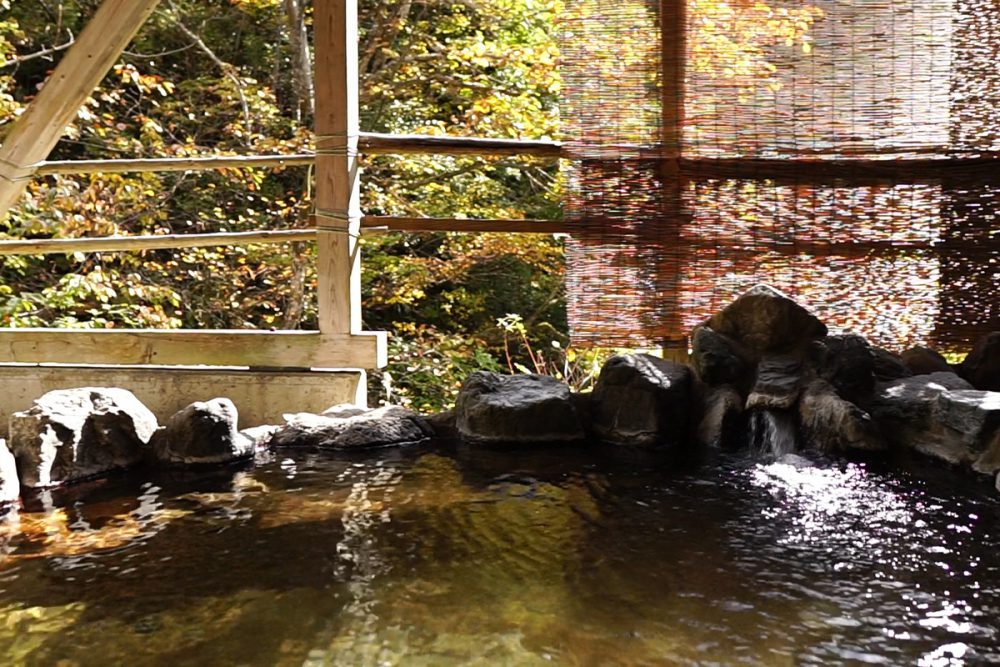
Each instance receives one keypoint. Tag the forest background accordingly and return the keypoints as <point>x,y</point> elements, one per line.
<point>217,77</point>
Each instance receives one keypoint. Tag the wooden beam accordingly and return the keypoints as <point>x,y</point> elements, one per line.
<point>35,132</point>
<point>164,347</point>
<point>418,144</point>
<point>174,164</point>
<point>673,44</point>
<point>152,242</point>
<point>337,196</point>
<point>464,225</point>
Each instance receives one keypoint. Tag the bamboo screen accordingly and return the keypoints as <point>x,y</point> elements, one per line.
<point>840,150</point>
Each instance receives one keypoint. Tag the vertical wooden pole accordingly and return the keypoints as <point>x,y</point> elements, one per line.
<point>673,54</point>
<point>38,129</point>
<point>337,195</point>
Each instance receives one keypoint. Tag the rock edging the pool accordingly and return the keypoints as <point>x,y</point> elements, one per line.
<point>761,364</point>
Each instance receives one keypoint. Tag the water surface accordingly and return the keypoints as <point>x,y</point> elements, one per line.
<point>437,556</point>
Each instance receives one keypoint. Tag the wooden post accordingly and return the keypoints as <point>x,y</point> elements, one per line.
<point>337,195</point>
<point>673,53</point>
<point>38,129</point>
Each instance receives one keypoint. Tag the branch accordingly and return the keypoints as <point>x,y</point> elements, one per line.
<point>17,60</point>
<point>227,69</point>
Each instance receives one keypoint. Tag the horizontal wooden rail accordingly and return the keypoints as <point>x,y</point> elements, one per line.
<point>462,225</point>
<point>853,170</point>
<point>173,164</point>
<point>419,144</point>
<point>173,347</point>
<point>153,242</point>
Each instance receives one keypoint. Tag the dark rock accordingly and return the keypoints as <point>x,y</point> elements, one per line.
<point>779,379</point>
<point>848,363</point>
<point>719,360</point>
<point>10,488</point>
<point>443,424</point>
<point>941,416</point>
<point>889,366</point>
<point>351,427</point>
<point>924,360</point>
<point>722,423</point>
<point>981,367</point>
<point>642,400</point>
<point>516,409</point>
<point>833,424</point>
<point>201,433</point>
<point>765,321</point>
<point>70,434</point>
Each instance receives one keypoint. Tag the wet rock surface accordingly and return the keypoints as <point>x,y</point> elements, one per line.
<point>71,434</point>
<point>923,360</point>
<point>516,409</point>
<point>722,417</point>
<point>642,400</point>
<point>834,424</point>
<point>981,366</point>
<point>350,427</point>
<point>202,433</point>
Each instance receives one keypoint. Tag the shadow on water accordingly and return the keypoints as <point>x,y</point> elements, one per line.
<point>450,555</point>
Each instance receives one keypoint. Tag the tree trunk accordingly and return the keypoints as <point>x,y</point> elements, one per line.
<point>302,67</point>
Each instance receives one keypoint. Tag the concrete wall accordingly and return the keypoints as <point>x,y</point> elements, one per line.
<point>260,396</point>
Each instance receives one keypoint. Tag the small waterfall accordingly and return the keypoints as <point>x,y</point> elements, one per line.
<point>772,432</point>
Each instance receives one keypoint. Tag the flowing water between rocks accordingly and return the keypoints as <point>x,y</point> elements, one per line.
<point>437,556</point>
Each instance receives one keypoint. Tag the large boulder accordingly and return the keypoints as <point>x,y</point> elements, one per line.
<point>942,416</point>
<point>833,424</point>
<point>71,434</point>
<point>10,488</point>
<point>719,360</point>
<point>350,427</point>
<point>763,321</point>
<point>888,366</point>
<point>642,400</point>
<point>982,366</point>
<point>202,433</point>
<point>847,362</point>
<point>516,409</point>
<point>923,360</point>
<point>722,420</point>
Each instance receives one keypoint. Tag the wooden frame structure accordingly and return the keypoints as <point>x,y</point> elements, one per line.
<point>338,222</point>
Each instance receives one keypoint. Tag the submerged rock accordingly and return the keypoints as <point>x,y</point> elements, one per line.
<point>923,360</point>
<point>10,488</point>
<point>833,424</point>
<point>70,434</point>
<point>202,433</point>
<point>763,321</point>
<point>642,400</point>
<point>722,423</point>
<point>350,427</point>
<point>516,409</point>
<point>981,367</point>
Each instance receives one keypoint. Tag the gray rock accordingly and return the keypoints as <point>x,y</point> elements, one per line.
<point>765,321</point>
<point>924,360</point>
<point>981,367</point>
<point>354,428</point>
<point>778,383</point>
<point>833,424</point>
<point>10,488</point>
<point>847,362</point>
<point>516,409</point>
<point>719,360</point>
<point>260,436</point>
<point>889,366</point>
<point>201,433</point>
<point>70,434</point>
<point>721,418</point>
<point>642,400</point>
<point>941,416</point>
<point>443,424</point>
